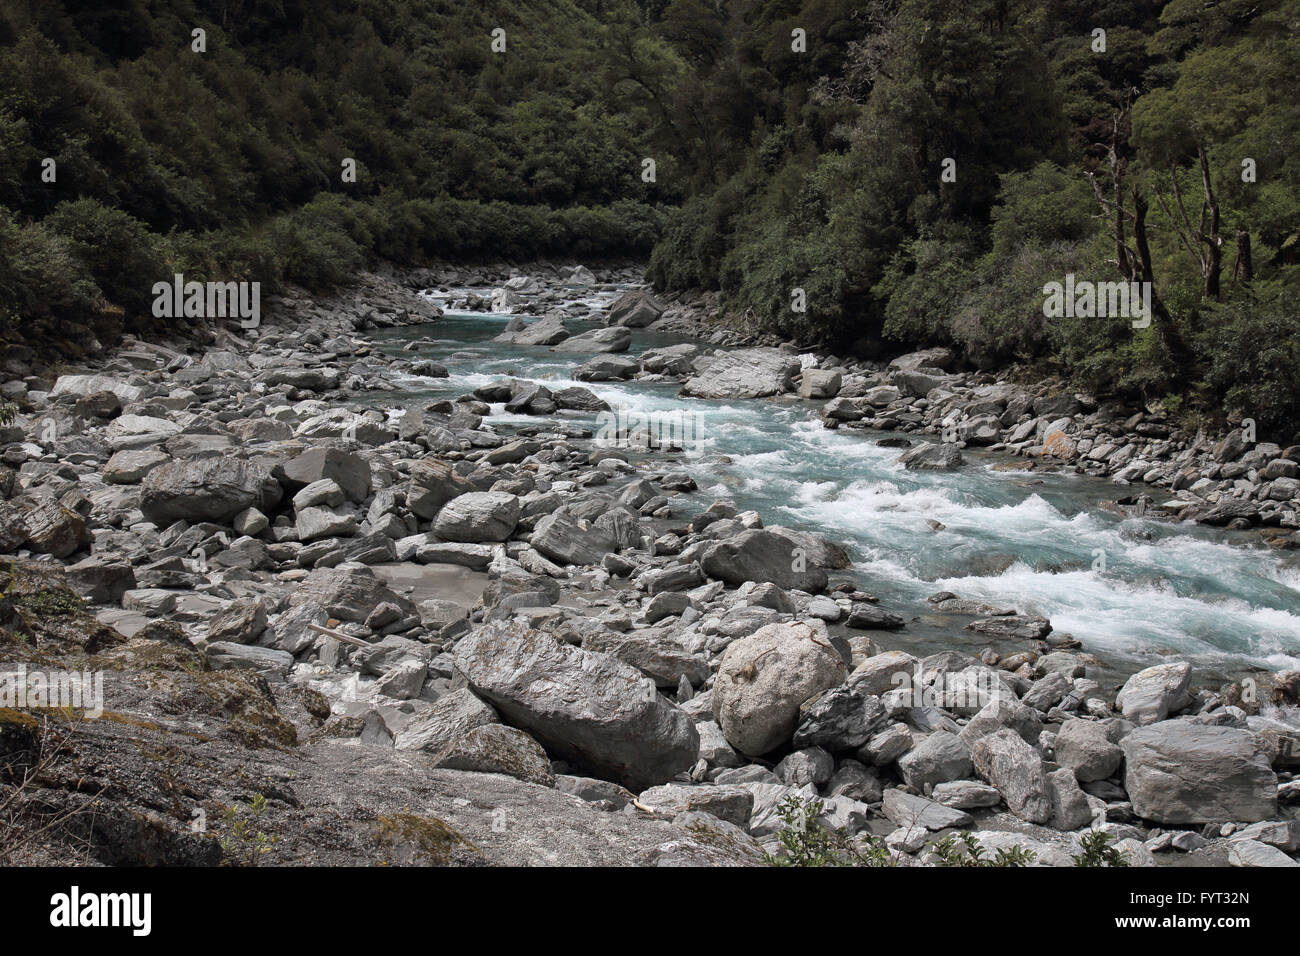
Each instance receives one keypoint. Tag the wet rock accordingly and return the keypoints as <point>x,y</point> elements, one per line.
<point>932,456</point>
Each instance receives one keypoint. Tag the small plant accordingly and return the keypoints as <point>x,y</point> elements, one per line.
<point>1097,851</point>
<point>242,838</point>
<point>966,850</point>
<point>806,841</point>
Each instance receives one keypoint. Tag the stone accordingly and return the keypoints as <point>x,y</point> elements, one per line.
<point>346,594</point>
<point>842,718</point>
<point>759,555</point>
<point>496,748</point>
<point>763,679</point>
<point>478,517</point>
<point>1253,853</point>
<point>939,758</point>
<point>613,339</point>
<point>743,373</point>
<point>932,456</point>
<point>241,622</point>
<point>730,803</point>
<point>1089,748</point>
<point>908,810</point>
<point>589,708</point>
<point>129,466</point>
<point>1179,772</point>
<point>1016,769</point>
<point>569,540</point>
<point>1153,694</point>
<point>55,530</point>
<point>349,471</point>
<point>206,489</point>
<point>966,794</point>
<point>451,717</point>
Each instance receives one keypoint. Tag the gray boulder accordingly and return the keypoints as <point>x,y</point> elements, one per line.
<point>759,555</point>
<point>744,373</point>
<point>589,708</point>
<point>1153,694</point>
<point>478,517</point>
<point>1016,769</point>
<point>207,489</point>
<point>764,678</point>
<point>1180,772</point>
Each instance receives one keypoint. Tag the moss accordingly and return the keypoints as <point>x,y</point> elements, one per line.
<point>405,839</point>
<point>17,718</point>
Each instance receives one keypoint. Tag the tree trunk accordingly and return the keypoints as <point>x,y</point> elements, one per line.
<point>1243,270</point>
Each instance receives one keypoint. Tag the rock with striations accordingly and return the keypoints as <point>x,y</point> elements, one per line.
<point>478,517</point>
<point>744,373</point>
<point>347,594</point>
<point>207,489</point>
<point>1017,770</point>
<point>598,713</point>
<point>1179,772</point>
<point>569,540</point>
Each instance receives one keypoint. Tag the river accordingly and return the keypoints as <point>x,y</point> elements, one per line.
<point>1132,590</point>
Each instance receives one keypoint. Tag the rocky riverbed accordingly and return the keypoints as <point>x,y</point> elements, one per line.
<point>339,624</point>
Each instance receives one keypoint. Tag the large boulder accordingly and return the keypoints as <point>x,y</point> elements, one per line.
<point>349,471</point>
<point>545,331</point>
<point>1089,748</point>
<point>55,530</point>
<point>207,489</point>
<point>1179,772</point>
<point>613,339</point>
<point>764,678</point>
<point>1017,770</point>
<point>347,594</point>
<point>759,555</point>
<point>590,709</point>
<point>744,373</point>
<point>569,540</point>
<point>478,516</point>
<point>433,483</point>
<point>1153,694</point>
<point>634,310</point>
<point>932,456</point>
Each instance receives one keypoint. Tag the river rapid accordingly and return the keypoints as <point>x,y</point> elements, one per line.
<point>1133,591</point>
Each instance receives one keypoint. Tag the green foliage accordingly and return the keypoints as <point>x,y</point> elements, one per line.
<point>1097,851</point>
<point>806,841</point>
<point>965,849</point>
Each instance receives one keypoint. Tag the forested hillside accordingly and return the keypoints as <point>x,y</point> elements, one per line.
<point>920,169</point>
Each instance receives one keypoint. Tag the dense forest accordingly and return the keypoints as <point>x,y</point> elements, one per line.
<point>920,169</point>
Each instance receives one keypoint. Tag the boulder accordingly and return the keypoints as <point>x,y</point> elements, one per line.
<point>634,310</point>
<point>1179,772</point>
<point>1016,769</point>
<point>55,530</point>
<point>589,708</point>
<point>348,595</point>
<point>1153,694</point>
<point>759,555</point>
<point>932,456</point>
<point>613,339</point>
<point>1089,748</point>
<point>496,748</point>
<point>478,517</point>
<point>744,373</point>
<point>569,540</point>
<point>350,472</point>
<point>764,678</point>
<point>207,489</point>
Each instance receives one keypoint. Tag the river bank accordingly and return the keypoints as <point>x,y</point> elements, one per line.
<point>405,559</point>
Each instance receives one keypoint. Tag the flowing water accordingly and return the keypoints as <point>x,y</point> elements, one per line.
<point>1130,589</point>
